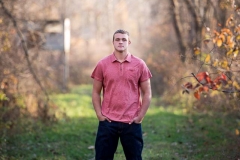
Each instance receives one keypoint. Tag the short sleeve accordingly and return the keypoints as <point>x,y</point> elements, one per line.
<point>146,74</point>
<point>97,73</point>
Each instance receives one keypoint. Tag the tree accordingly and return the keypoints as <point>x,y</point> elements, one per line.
<point>218,57</point>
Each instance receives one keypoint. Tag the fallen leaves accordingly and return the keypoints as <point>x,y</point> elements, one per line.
<point>237,132</point>
<point>91,147</point>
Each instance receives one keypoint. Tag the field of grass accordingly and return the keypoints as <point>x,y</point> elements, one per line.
<point>169,134</point>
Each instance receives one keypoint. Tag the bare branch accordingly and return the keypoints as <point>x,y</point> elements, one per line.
<point>25,49</point>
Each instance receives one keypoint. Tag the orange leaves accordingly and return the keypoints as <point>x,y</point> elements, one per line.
<point>237,132</point>
<point>226,31</point>
<point>205,83</point>
<point>223,57</point>
<point>219,42</point>
<point>197,95</point>
<point>203,88</point>
<point>203,78</point>
<point>224,38</point>
<point>221,79</point>
<point>197,50</point>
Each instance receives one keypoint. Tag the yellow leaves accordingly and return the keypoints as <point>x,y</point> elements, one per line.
<point>232,52</point>
<point>197,50</point>
<point>3,96</point>
<point>219,42</point>
<point>226,48</point>
<point>224,64</point>
<point>235,53</point>
<point>207,59</point>
<point>238,37</point>
<point>229,53</point>
<point>215,63</point>
<point>236,85</point>
<point>6,45</point>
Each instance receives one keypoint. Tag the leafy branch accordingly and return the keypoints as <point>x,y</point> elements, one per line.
<point>226,39</point>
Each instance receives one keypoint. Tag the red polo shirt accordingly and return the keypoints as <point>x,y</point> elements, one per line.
<point>121,86</point>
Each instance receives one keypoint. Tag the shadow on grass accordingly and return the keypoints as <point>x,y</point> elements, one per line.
<point>166,136</point>
<point>67,139</point>
<point>194,137</point>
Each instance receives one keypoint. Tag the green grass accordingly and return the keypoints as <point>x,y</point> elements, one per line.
<point>169,134</point>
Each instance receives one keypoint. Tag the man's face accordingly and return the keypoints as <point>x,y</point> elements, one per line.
<point>121,42</point>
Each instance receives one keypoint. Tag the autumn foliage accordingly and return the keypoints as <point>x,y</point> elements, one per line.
<point>218,66</point>
<point>205,83</point>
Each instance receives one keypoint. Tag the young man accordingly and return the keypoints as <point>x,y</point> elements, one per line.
<point>125,82</point>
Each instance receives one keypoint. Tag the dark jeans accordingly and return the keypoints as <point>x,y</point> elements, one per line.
<point>107,140</point>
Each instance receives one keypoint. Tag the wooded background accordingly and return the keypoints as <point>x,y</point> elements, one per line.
<point>165,33</point>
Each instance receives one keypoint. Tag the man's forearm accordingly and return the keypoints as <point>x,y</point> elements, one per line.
<point>146,100</point>
<point>96,100</point>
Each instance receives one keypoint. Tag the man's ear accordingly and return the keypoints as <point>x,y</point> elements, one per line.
<point>129,42</point>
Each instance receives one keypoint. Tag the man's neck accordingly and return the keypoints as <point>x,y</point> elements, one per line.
<point>121,56</point>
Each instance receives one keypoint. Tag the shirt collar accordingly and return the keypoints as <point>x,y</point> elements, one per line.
<point>128,57</point>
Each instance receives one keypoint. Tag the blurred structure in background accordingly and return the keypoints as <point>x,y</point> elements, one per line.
<point>163,33</point>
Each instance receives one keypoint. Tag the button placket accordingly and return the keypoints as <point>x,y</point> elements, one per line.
<point>121,69</point>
